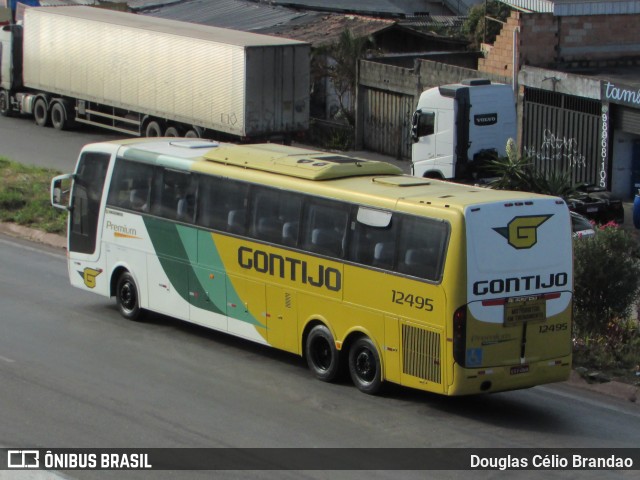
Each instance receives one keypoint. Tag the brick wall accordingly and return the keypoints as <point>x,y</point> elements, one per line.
<point>499,59</point>
<point>548,41</point>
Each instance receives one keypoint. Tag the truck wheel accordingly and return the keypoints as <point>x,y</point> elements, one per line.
<point>172,132</point>
<point>322,355</point>
<point>59,117</point>
<point>192,133</point>
<point>40,112</point>
<point>153,129</point>
<point>5,104</point>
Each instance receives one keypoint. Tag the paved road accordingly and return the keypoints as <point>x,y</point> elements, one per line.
<point>75,374</point>
<point>23,141</point>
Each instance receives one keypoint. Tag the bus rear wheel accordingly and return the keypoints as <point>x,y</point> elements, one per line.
<point>127,297</point>
<point>322,355</point>
<point>364,366</point>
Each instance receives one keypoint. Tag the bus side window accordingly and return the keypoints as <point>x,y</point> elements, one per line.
<point>422,247</point>
<point>275,215</point>
<point>174,195</point>
<point>374,246</point>
<point>131,186</point>
<point>325,228</point>
<point>222,204</point>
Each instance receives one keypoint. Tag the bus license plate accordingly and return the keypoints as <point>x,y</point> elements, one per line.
<point>527,309</point>
<point>519,369</point>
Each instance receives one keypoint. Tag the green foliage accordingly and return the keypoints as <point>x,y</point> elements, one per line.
<point>606,281</point>
<point>24,197</point>
<point>339,62</point>
<point>474,27</point>
<point>513,172</point>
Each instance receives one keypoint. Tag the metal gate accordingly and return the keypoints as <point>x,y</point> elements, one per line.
<point>560,133</point>
<point>387,122</point>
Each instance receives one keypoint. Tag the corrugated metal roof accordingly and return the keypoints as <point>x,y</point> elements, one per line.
<point>593,7</point>
<point>431,21</point>
<point>566,8</point>
<point>235,14</point>
<point>379,8</point>
<point>323,29</point>
<point>540,6</point>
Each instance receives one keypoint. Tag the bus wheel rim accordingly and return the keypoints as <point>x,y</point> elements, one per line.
<point>365,365</point>
<point>128,296</point>
<point>321,352</point>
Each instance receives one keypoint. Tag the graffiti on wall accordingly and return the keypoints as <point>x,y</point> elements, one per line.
<point>557,149</point>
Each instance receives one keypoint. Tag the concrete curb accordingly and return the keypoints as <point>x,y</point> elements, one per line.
<point>18,231</point>
<point>616,389</point>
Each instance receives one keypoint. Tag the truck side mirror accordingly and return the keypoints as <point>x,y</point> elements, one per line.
<point>414,125</point>
<point>422,124</point>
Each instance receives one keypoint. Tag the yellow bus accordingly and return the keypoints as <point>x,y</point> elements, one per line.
<point>447,288</point>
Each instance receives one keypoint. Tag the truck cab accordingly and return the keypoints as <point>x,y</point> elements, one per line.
<point>455,127</point>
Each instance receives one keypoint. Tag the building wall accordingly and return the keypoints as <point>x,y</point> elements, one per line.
<point>549,41</point>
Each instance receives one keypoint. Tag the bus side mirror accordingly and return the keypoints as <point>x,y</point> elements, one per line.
<point>61,191</point>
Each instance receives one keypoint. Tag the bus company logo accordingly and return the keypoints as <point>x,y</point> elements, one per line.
<point>89,276</point>
<point>23,458</point>
<point>522,232</point>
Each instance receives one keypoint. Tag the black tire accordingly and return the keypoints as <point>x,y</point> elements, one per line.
<point>59,116</point>
<point>364,366</point>
<point>154,129</point>
<point>192,133</point>
<point>172,131</point>
<point>5,104</point>
<point>127,297</point>
<point>322,355</point>
<point>41,112</point>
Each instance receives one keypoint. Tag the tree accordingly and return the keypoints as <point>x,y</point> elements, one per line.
<point>474,27</point>
<point>338,62</point>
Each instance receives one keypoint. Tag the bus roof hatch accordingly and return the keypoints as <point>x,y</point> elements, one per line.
<point>298,162</point>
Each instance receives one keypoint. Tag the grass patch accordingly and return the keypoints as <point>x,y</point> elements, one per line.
<point>24,197</point>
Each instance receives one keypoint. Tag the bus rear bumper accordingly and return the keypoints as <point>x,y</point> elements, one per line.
<point>471,381</point>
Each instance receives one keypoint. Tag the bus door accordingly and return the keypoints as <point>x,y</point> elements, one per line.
<point>85,213</point>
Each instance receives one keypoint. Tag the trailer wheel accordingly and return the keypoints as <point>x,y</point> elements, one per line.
<point>5,104</point>
<point>40,112</point>
<point>59,116</point>
<point>172,131</point>
<point>154,129</point>
<point>192,133</point>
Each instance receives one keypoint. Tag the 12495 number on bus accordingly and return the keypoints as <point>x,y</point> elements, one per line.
<point>415,301</point>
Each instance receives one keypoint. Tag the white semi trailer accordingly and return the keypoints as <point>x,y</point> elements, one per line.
<point>149,76</point>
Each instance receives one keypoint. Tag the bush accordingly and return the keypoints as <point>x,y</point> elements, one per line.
<point>606,281</point>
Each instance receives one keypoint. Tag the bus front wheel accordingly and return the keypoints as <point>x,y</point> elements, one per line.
<point>364,366</point>
<point>127,297</point>
<point>322,355</point>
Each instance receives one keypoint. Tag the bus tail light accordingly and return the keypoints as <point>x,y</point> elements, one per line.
<point>460,335</point>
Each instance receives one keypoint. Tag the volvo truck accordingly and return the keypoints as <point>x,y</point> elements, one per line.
<point>457,127</point>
